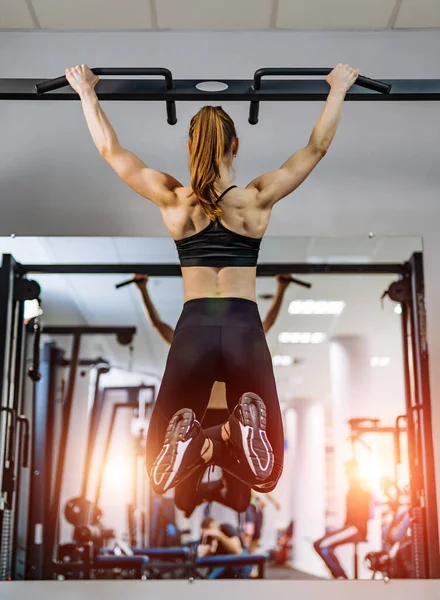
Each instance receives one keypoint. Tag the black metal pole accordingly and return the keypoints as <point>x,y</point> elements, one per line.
<point>39,524</point>
<point>414,479</point>
<point>7,275</point>
<point>17,397</point>
<point>6,318</point>
<point>59,472</point>
<point>235,90</point>
<point>423,395</point>
<point>263,269</point>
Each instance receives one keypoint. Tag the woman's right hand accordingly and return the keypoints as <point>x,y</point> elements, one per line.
<point>342,77</point>
<point>141,280</point>
<point>81,78</point>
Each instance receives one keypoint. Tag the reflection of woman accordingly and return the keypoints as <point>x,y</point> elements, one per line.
<point>228,491</point>
<point>218,229</point>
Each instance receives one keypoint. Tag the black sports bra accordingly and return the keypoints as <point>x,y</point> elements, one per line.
<point>218,246</point>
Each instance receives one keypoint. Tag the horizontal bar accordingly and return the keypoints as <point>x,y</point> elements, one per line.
<point>79,329</point>
<point>358,430</point>
<point>238,90</point>
<point>263,270</point>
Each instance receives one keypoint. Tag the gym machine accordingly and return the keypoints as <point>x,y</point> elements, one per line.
<point>408,291</point>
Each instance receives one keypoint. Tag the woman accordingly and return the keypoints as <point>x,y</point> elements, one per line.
<point>218,229</point>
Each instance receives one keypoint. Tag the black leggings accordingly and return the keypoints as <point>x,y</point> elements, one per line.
<point>218,339</point>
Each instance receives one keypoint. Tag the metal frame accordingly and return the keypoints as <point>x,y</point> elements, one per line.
<point>40,525</point>
<point>173,90</point>
<point>263,270</point>
<point>76,332</point>
<point>185,90</point>
<point>417,360</point>
<point>421,410</point>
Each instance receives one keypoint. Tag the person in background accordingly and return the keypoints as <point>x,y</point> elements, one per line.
<point>228,490</point>
<point>221,540</point>
<point>253,524</point>
<point>359,505</point>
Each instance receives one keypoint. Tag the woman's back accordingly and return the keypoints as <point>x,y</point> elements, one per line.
<point>241,215</point>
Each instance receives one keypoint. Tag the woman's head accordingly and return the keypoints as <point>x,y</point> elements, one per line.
<point>212,142</point>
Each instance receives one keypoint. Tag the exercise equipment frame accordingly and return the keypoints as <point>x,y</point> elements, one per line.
<point>416,372</point>
<point>252,90</point>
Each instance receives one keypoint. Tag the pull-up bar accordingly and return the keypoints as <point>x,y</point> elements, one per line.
<point>60,82</point>
<point>251,90</point>
<point>361,81</point>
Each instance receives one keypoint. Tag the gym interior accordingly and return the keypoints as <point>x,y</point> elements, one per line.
<point>354,346</point>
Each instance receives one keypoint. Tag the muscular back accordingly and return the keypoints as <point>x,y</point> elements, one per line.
<point>242,214</point>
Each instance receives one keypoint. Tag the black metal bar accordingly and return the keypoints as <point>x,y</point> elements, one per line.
<point>59,473</point>
<point>6,319</point>
<point>50,85</point>
<point>185,90</point>
<point>362,81</point>
<point>263,270</point>
<point>7,274</point>
<point>408,403</point>
<point>60,82</point>
<point>34,371</point>
<point>85,330</point>
<point>16,402</point>
<point>39,495</point>
<point>421,366</point>
<point>365,82</point>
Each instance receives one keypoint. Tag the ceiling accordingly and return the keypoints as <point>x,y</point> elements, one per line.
<point>93,300</point>
<point>206,15</point>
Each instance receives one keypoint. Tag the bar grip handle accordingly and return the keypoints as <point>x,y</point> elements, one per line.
<point>124,283</point>
<point>372,84</point>
<point>50,85</point>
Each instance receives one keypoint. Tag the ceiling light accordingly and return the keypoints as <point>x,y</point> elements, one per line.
<point>398,309</point>
<point>316,307</point>
<point>300,337</point>
<point>380,361</point>
<point>281,360</point>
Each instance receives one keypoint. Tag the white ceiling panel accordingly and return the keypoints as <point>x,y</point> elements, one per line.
<point>214,15</point>
<point>337,14</point>
<point>93,14</point>
<point>14,14</point>
<point>419,14</point>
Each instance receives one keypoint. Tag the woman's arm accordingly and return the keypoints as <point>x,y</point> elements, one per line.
<point>232,544</point>
<point>158,187</point>
<point>164,330</point>
<point>278,184</point>
<point>274,501</point>
<point>283,282</point>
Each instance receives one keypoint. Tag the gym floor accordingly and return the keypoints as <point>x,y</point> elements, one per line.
<point>287,573</point>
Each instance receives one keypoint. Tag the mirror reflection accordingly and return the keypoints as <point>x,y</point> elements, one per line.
<point>341,331</point>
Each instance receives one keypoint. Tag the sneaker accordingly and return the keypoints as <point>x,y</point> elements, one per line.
<point>248,435</point>
<point>181,452</point>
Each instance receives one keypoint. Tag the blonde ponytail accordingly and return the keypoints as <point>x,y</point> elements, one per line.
<point>212,133</point>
